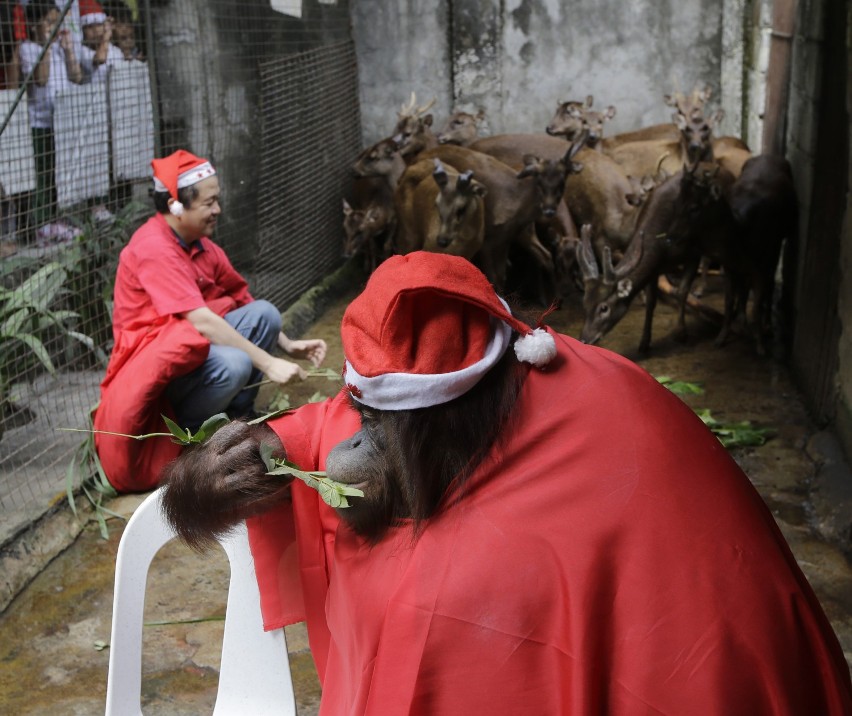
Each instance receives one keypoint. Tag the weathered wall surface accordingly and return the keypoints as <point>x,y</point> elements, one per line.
<point>517,58</point>
<point>402,47</point>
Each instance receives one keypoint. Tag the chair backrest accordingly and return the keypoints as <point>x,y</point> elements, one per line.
<point>254,677</point>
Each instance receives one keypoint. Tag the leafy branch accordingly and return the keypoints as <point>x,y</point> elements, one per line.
<point>739,434</point>
<point>333,493</point>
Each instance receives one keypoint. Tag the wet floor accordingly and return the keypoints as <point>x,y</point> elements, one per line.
<point>54,636</point>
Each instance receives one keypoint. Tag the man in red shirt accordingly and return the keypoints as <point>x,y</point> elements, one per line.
<point>189,337</point>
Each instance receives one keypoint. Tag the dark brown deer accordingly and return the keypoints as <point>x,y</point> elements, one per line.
<point>670,234</point>
<point>764,207</point>
<point>369,232</point>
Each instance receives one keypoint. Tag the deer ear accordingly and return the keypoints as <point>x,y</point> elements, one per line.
<point>590,100</point>
<point>531,163</point>
<point>679,120</point>
<point>347,209</point>
<point>427,120</point>
<point>623,287</point>
<point>609,113</point>
<point>478,189</point>
<point>576,167</point>
<point>717,117</point>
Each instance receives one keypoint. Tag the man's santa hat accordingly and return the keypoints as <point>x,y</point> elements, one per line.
<point>424,331</point>
<point>177,171</point>
<point>91,13</point>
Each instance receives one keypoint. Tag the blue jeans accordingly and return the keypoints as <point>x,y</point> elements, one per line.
<point>219,384</point>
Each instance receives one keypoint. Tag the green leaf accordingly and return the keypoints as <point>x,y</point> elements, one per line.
<point>333,493</point>
<point>679,387</point>
<point>317,397</point>
<point>266,451</point>
<point>37,347</point>
<point>182,436</point>
<point>210,426</point>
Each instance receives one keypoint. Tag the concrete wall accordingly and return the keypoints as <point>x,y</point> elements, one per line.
<point>517,58</point>
<point>844,410</point>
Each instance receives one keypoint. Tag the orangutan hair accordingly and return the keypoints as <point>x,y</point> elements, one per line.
<point>428,454</point>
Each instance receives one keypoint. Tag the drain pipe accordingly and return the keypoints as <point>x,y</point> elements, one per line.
<point>778,76</point>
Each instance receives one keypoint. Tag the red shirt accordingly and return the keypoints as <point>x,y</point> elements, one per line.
<point>158,275</point>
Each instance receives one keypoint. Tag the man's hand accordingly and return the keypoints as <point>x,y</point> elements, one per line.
<point>282,371</point>
<point>66,42</point>
<point>311,349</point>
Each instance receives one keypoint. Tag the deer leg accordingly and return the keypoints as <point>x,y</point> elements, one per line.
<point>690,269</point>
<point>650,305</point>
<point>731,292</point>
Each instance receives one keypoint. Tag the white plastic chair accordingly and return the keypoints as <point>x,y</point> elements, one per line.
<point>254,677</point>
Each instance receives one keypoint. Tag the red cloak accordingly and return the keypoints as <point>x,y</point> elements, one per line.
<point>608,557</point>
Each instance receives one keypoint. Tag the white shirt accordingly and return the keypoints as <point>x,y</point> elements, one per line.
<point>40,99</point>
<point>99,73</point>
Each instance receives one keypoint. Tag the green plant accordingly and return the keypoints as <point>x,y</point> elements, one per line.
<point>731,435</point>
<point>91,262</point>
<point>26,316</point>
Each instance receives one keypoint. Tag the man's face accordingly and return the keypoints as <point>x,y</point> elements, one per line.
<point>199,219</point>
<point>93,34</point>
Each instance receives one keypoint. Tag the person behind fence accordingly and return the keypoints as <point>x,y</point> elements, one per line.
<point>57,69</point>
<point>544,528</point>
<point>124,31</point>
<point>190,340</point>
<point>98,53</point>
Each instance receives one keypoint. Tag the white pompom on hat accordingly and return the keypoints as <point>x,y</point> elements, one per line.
<point>426,329</point>
<point>178,170</point>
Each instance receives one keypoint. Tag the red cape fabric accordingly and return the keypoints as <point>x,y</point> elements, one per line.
<point>141,365</point>
<point>609,557</point>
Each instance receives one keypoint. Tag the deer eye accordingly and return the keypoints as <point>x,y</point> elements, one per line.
<point>603,309</point>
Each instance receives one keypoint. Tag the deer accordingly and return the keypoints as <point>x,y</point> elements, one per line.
<point>368,231</point>
<point>594,188</point>
<point>440,210</point>
<point>413,130</point>
<point>675,225</point>
<point>575,118</point>
<point>511,211</point>
<point>764,208</point>
<point>461,128</point>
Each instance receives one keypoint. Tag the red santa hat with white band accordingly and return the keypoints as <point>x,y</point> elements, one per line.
<point>426,329</point>
<point>91,13</point>
<point>177,171</point>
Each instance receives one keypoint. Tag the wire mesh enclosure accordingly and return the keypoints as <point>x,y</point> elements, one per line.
<point>265,89</point>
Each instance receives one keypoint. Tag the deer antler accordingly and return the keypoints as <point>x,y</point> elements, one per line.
<point>405,110</point>
<point>422,110</point>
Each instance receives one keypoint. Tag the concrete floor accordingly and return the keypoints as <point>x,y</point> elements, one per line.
<point>51,634</point>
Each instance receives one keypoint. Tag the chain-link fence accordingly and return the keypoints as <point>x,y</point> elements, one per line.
<point>266,89</point>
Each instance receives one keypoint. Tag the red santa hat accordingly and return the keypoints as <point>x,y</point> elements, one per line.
<point>177,171</point>
<point>91,13</point>
<point>426,329</point>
